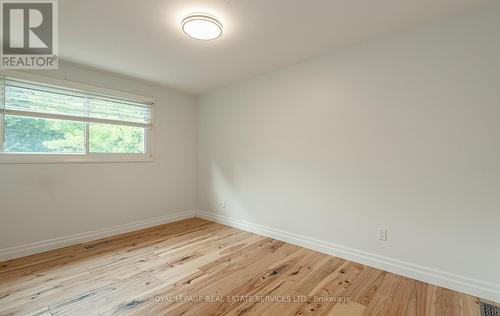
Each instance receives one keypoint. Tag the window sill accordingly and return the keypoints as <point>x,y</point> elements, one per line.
<point>16,158</point>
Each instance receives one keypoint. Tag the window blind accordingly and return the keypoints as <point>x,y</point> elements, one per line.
<point>23,98</point>
<point>1,95</point>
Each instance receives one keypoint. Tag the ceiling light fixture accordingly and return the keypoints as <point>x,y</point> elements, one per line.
<point>202,26</point>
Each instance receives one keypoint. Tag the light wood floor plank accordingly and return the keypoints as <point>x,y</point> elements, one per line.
<point>161,270</point>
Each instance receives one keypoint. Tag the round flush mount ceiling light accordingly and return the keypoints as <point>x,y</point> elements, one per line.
<point>201,26</point>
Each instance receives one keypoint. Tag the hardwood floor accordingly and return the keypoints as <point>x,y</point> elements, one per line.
<point>196,267</point>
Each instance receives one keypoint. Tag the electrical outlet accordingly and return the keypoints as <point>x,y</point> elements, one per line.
<point>223,203</point>
<point>382,234</point>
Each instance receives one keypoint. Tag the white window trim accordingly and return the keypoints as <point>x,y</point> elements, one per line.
<point>86,157</point>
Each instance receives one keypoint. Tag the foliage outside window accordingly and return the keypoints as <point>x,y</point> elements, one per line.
<point>41,119</point>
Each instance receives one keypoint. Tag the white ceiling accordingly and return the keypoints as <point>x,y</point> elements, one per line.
<point>143,39</point>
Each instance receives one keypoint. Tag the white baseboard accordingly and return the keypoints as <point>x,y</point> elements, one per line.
<point>51,244</point>
<point>475,287</point>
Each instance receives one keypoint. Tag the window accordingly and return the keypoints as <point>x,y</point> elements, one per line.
<point>42,122</point>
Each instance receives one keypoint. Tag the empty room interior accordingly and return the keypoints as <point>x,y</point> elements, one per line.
<point>250,157</point>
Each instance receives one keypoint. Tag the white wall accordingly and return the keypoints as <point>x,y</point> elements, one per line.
<point>45,201</point>
<point>401,133</point>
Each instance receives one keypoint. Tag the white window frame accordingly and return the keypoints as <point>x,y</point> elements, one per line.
<point>87,156</point>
